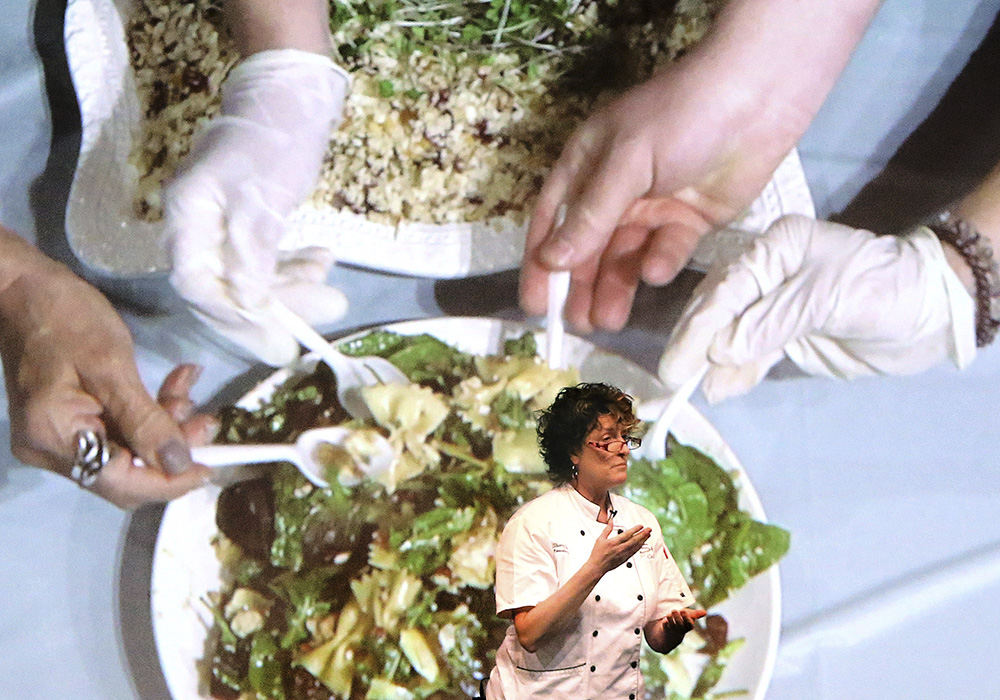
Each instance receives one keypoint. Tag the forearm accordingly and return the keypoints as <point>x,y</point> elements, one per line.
<point>778,59</point>
<point>260,25</point>
<point>535,624</point>
<point>660,639</point>
<point>18,257</point>
<point>981,209</point>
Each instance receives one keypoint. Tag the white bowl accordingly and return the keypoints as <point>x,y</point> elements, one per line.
<point>185,568</point>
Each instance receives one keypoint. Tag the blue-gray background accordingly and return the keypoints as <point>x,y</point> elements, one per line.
<point>890,487</point>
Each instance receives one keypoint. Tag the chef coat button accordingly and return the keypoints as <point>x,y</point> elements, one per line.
<point>595,633</point>
<point>637,630</point>
<point>640,596</point>
<point>631,696</point>
<point>593,668</point>
<point>682,595</point>
<point>597,597</point>
<point>629,565</point>
<point>634,664</point>
<point>582,532</point>
<point>620,531</point>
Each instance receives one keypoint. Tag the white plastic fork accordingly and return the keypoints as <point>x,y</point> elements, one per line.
<point>555,327</point>
<point>353,373</point>
<point>654,444</point>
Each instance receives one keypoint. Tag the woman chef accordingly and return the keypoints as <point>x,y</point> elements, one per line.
<point>584,573</point>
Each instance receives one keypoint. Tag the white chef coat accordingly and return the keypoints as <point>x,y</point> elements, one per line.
<point>595,655</point>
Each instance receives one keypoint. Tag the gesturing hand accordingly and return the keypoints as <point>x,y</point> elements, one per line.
<point>680,620</point>
<point>610,552</point>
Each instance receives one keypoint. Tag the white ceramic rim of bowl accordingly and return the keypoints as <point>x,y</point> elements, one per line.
<point>183,559</point>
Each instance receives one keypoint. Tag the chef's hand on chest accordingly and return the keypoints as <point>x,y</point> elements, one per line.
<point>612,549</point>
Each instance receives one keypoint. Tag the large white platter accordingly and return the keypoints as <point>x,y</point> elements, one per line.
<point>106,235</point>
<point>185,568</point>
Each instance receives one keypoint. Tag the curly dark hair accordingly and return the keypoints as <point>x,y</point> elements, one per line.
<point>563,426</point>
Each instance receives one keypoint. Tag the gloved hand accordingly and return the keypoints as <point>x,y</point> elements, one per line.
<point>837,301</point>
<point>227,205</point>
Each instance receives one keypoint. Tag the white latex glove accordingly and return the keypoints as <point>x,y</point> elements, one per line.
<point>837,301</point>
<point>227,205</point>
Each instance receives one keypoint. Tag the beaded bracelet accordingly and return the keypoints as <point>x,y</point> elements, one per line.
<point>976,251</point>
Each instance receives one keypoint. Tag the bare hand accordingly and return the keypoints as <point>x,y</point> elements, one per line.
<point>680,621</point>
<point>129,482</point>
<point>611,552</point>
<point>69,365</point>
<point>643,179</point>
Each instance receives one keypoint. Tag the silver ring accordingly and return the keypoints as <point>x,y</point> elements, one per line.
<point>91,456</point>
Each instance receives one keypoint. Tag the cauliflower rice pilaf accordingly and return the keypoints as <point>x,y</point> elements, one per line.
<point>434,131</point>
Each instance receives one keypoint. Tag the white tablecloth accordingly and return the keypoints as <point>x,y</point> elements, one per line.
<point>890,487</point>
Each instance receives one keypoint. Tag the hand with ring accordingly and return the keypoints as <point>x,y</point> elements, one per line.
<point>77,404</point>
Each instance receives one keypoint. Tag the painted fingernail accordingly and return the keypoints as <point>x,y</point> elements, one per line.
<point>174,456</point>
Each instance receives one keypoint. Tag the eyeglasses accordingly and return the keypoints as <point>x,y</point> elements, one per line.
<point>616,445</point>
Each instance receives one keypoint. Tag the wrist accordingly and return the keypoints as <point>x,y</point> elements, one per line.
<point>268,83</point>
<point>969,254</point>
<point>960,266</point>
<point>662,638</point>
<point>261,25</point>
<point>591,572</point>
<point>19,260</point>
<point>981,208</point>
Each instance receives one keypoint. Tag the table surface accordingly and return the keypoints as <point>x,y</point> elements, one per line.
<point>889,486</point>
